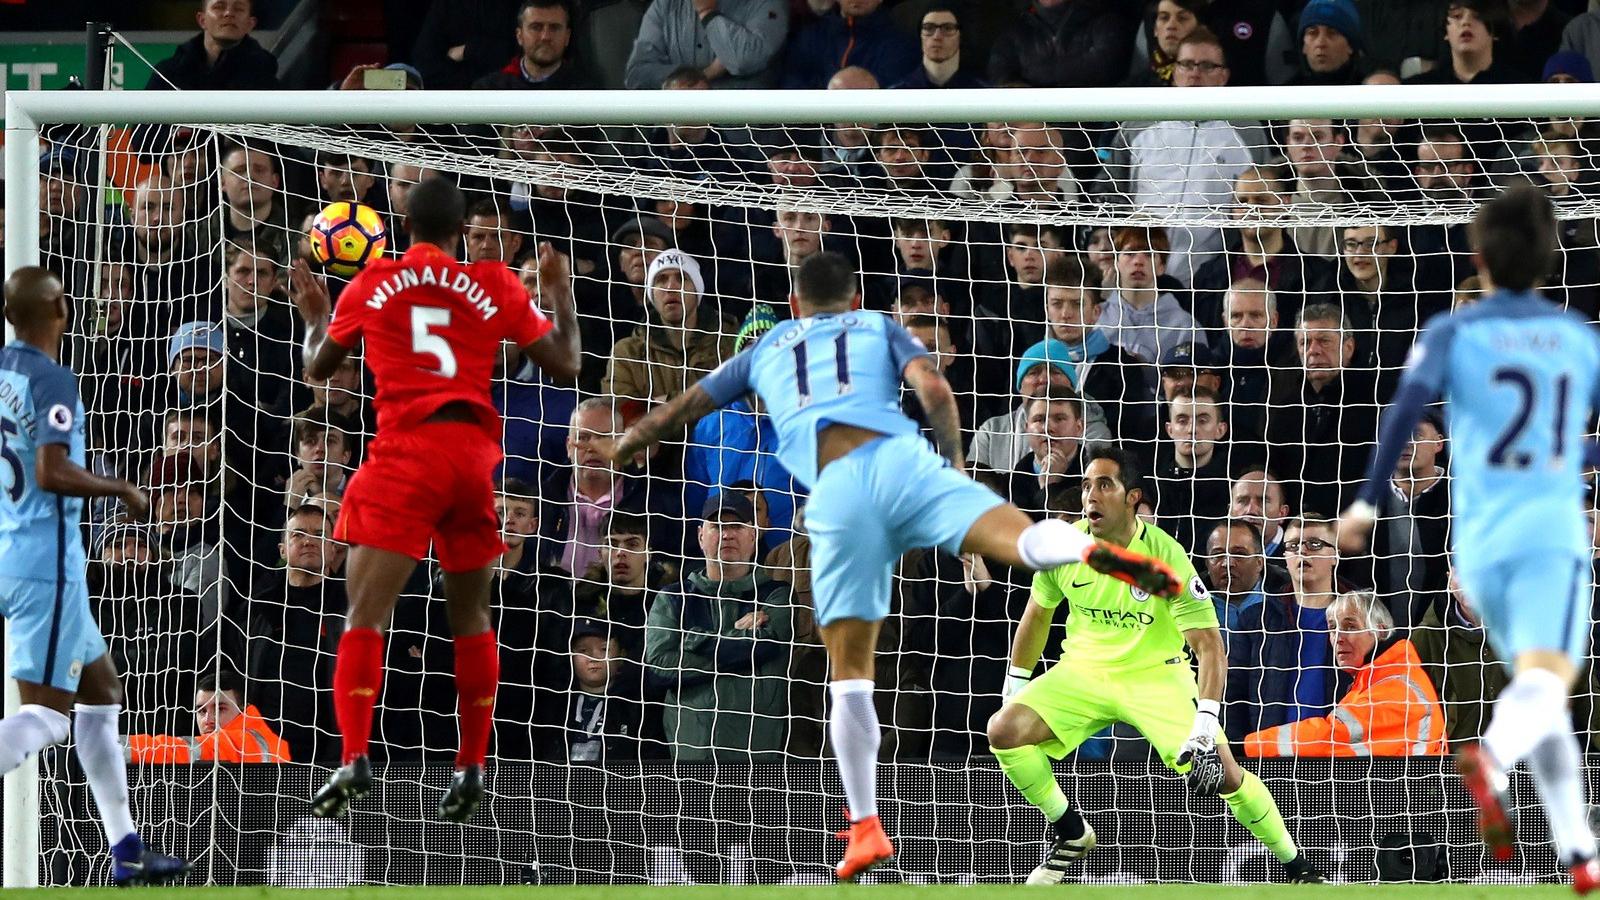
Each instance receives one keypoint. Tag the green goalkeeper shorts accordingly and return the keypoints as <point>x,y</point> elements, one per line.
<point>1077,703</point>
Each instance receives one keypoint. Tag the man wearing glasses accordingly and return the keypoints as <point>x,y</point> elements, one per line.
<point>1280,663</point>
<point>1387,296</point>
<point>941,53</point>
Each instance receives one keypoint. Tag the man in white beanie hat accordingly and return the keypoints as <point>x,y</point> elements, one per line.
<point>678,344</point>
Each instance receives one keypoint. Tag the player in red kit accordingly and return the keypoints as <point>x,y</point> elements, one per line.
<point>433,329</point>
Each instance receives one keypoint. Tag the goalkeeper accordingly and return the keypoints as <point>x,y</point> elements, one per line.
<point>1123,661</point>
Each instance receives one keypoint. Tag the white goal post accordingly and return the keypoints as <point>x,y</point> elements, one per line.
<point>26,112</point>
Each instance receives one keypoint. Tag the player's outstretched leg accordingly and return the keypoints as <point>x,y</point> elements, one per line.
<point>854,732</point>
<point>1252,805</point>
<point>376,577</point>
<point>477,667</point>
<point>1006,534</point>
<point>1015,735</point>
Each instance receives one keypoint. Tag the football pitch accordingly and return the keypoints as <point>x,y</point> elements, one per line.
<point>877,892</point>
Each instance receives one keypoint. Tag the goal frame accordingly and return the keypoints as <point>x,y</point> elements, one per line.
<point>26,111</point>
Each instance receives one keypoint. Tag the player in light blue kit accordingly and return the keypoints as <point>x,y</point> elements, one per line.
<point>57,654</point>
<point>830,379</point>
<point>1520,377</point>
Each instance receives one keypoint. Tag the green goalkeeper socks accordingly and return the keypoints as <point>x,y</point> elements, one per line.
<point>1255,809</point>
<point>1029,769</point>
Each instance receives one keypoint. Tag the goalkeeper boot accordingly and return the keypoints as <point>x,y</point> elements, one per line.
<point>868,847</point>
<point>1488,783</point>
<point>134,864</point>
<point>1149,575</point>
<point>1301,871</point>
<point>347,783</point>
<point>1071,838</point>
<point>1585,876</point>
<point>461,800</point>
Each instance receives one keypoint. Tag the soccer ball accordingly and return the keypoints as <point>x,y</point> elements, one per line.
<point>346,236</point>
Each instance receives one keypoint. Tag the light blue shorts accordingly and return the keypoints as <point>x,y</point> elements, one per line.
<point>1532,603</point>
<point>871,506</point>
<point>53,632</point>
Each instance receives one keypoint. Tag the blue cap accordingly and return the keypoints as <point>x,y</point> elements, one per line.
<point>1340,15</point>
<point>1049,351</point>
<point>1568,62</point>
<point>205,335</point>
<point>728,503</point>
<point>1197,356</point>
<point>412,74</point>
<point>61,156</point>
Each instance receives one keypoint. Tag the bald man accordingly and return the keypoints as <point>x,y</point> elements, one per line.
<point>58,657</point>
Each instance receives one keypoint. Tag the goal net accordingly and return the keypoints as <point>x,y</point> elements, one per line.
<point>1227,288</point>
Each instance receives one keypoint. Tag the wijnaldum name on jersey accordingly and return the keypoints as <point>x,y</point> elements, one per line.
<point>462,284</point>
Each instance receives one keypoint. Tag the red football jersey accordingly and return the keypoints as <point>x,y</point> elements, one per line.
<point>433,328</point>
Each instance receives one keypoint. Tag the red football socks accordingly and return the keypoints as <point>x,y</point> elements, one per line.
<point>357,676</point>
<point>477,677</point>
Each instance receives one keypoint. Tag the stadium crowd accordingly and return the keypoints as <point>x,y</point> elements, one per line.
<point>662,610</point>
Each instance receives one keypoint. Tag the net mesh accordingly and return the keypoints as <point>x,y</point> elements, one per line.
<point>1235,302</point>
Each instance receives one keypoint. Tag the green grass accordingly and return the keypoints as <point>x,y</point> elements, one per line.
<point>877,892</point>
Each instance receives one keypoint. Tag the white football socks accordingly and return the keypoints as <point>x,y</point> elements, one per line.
<point>106,765</point>
<point>1557,768</point>
<point>853,728</point>
<point>1532,707</point>
<point>29,730</point>
<point>1047,544</point>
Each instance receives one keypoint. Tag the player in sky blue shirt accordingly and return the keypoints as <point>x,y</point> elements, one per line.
<point>1519,377</point>
<point>830,380</point>
<point>58,657</point>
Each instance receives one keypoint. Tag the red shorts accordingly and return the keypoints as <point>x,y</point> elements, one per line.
<point>433,483</point>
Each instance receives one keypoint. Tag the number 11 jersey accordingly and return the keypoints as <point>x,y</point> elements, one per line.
<point>432,328</point>
<point>836,368</point>
<point>1520,376</point>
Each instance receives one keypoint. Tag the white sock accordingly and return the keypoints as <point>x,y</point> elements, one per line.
<point>1047,544</point>
<point>1532,707</point>
<point>1557,768</point>
<point>106,764</point>
<point>853,728</point>
<point>29,730</point>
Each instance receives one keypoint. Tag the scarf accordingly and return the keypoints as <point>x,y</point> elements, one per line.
<point>1082,354</point>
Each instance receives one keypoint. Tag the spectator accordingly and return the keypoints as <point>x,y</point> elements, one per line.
<point>1038,169</point>
<point>1065,43</point>
<point>1050,475</point>
<point>196,360</point>
<point>491,234</point>
<point>680,340</point>
<point>1002,440</point>
<point>1166,25</point>
<point>345,177</point>
<point>1191,470</point>
<point>904,154</point>
<point>1280,657</point>
<point>1472,28</point>
<point>259,331</point>
<point>1183,169</point>
<point>544,34</point>
<point>1386,298</point>
<point>1313,148</point>
<point>1558,161</point>
<point>1447,172</point>
<point>1457,657</point>
<point>623,586</point>
<point>1237,572</point>
<point>1139,316</point>
<point>1257,497</point>
<point>1582,35</point>
<point>732,42</point>
<point>637,243</point>
<point>800,236</point>
<point>738,443</point>
<point>226,729</point>
<point>222,57</point>
<point>1391,708</point>
<point>1532,36</point>
<point>463,40</point>
<point>1373,150</point>
<point>170,250</point>
<point>1250,312</point>
<point>601,717</point>
<point>941,56</point>
<point>719,642</point>
<point>291,622</point>
<point>1411,542</point>
<point>1185,366</point>
<point>856,33</point>
<point>1323,416</point>
<point>1330,44</point>
<point>1119,383</point>
<point>252,189</point>
<point>324,451</point>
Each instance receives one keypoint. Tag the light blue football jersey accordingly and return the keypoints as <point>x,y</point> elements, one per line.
<point>1520,376</point>
<point>840,368</point>
<point>40,536</point>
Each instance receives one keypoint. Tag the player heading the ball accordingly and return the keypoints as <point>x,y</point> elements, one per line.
<point>830,379</point>
<point>433,328</point>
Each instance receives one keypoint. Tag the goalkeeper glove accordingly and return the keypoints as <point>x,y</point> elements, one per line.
<point>1200,751</point>
<point>1017,678</point>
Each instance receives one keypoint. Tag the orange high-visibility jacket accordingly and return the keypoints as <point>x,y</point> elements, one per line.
<point>247,739</point>
<point>1391,710</point>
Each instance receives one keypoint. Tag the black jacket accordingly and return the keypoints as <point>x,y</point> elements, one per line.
<point>1295,278</point>
<point>244,67</point>
<point>1322,438</point>
<point>1085,43</point>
